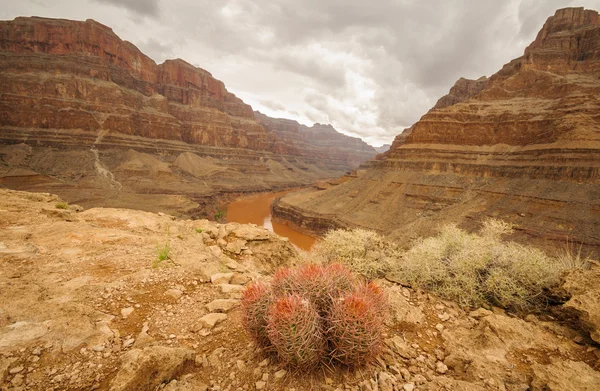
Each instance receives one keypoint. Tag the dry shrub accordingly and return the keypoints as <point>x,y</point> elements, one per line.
<point>364,252</point>
<point>313,314</point>
<point>474,269</point>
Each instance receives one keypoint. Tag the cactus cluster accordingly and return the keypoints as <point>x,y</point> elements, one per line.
<point>312,314</point>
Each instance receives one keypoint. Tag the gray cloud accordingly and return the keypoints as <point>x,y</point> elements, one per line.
<point>156,50</point>
<point>140,7</point>
<point>276,106</point>
<point>369,68</point>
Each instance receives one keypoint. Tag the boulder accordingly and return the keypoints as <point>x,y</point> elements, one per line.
<point>565,375</point>
<point>583,287</point>
<point>145,369</point>
<point>222,305</point>
<point>211,320</point>
<point>221,278</point>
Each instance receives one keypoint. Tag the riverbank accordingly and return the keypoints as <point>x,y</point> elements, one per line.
<point>256,209</point>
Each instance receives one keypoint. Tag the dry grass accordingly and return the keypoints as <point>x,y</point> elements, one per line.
<point>571,258</point>
<point>362,251</point>
<point>473,269</point>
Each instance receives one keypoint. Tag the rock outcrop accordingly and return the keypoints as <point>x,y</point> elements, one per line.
<point>523,146</point>
<point>90,116</point>
<point>582,288</point>
<point>462,90</point>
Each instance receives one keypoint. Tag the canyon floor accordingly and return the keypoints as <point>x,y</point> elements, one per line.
<point>173,178</point>
<point>87,304</point>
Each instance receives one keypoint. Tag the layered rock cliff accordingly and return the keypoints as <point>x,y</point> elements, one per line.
<point>91,117</point>
<point>523,145</point>
<point>318,140</point>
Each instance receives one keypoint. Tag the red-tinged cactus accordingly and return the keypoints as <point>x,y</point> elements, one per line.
<point>312,312</point>
<point>355,329</point>
<point>283,282</point>
<point>311,282</point>
<point>341,278</point>
<point>294,329</point>
<point>256,301</point>
<point>375,296</point>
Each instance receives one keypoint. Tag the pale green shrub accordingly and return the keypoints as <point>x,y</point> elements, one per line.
<point>362,251</point>
<point>474,269</point>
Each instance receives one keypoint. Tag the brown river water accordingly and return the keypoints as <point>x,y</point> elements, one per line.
<point>257,210</point>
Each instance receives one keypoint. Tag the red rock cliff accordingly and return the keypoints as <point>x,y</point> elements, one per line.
<point>318,140</point>
<point>523,146</point>
<point>82,76</point>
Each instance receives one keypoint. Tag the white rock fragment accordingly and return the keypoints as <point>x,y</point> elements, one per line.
<point>222,305</point>
<point>221,278</point>
<point>211,320</point>
<point>440,367</point>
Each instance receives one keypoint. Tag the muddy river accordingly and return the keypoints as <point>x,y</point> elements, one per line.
<point>256,209</point>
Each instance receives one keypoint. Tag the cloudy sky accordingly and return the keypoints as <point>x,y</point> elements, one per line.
<point>370,68</point>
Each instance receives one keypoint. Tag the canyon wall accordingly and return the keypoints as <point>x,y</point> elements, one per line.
<point>523,146</point>
<point>88,116</point>
<point>318,140</point>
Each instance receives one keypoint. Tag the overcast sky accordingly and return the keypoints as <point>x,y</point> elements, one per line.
<point>370,68</point>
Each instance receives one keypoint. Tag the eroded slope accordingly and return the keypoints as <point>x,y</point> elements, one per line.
<point>523,146</point>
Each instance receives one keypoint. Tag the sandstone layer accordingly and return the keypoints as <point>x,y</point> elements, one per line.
<point>89,116</point>
<point>318,140</point>
<point>523,146</point>
<point>87,304</point>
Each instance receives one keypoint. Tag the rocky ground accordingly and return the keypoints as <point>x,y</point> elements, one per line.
<point>87,304</point>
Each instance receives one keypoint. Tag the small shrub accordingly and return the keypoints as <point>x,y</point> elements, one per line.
<point>220,215</point>
<point>294,329</point>
<point>295,315</point>
<point>62,205</point>
<point>198,230</point>
<point>363,251</point>
<point>162,254</point>
<point>473,269</point>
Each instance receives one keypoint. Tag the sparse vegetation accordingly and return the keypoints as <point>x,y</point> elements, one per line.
<point>473,269</point>
<point>570,258</point>
<point>364,252</point>
<point>313,314</point>
<point>62,205</point>
<point>198,230</point>
<point>220,215</point>
<point>162,254</point>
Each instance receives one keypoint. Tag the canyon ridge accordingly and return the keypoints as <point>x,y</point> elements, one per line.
<point>113,128</point>
<point>522,146</point>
